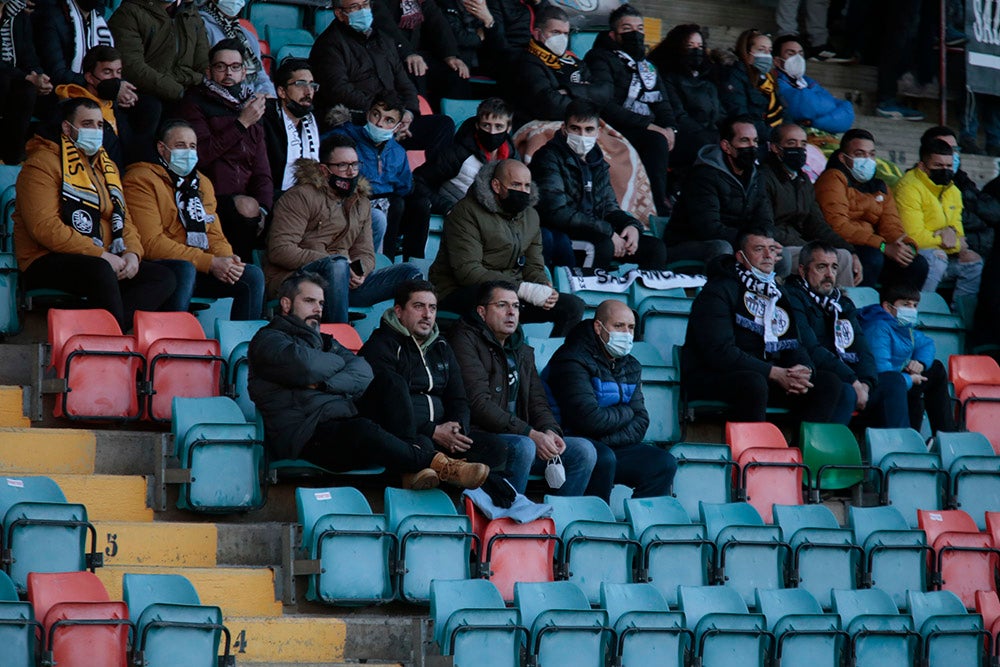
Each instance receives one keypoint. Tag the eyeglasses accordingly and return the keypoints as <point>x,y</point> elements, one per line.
<point>505,305</point>
<point>344,166</point>
<point>302,83</point>
<point>350,9</point>
<point>222,67</point>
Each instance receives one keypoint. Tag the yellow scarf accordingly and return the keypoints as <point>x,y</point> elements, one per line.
<point>774,113</point>
<point>81,201</point>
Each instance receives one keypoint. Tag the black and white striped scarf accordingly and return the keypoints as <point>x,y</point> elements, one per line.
<point>11,9</point>
<point>769,291</point>
<point>89,30</point>
<point>233,30</point>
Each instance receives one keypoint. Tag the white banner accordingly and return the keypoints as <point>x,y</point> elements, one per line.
<point>600,280</point>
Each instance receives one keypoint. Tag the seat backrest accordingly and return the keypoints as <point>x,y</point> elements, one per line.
<point>851,604</point>
<point>188,412</point>
<point>717,516</point>
<point>966,369</point>
<point>459,110</point>
<point>48,589</point>
<point>932,302</point>
<point>988,605</point>
<point>993,526</point>
<point>586,508</point>
<point>828,444</point>
<point>923,606</point>
<point>230,334</point>
<point>884,441</point>
<point>142,590</point>
<point>448,596</point>
<point>14,490</point>
<point>781,602</point>
<point>151,327</point>
<point>793,518</point>
<point>741,436</point>
<point>648,355</point>
<point>620,599</point>
<point>104,644</point>
<point>313,504</point>
<point>699,601</point>
<point>344,334</point>
<point>401,503</point>
<point>645,512</point>
<point>936,522</point>
<point>64,324</point>
<point>967,443</point>
<point>863,521</point>
<point>532,599</point>
<point>8,592</point>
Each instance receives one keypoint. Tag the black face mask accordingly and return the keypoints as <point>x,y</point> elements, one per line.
<point>236,90</point>
<point>344,187</point>
<point>298,109</point>
<point>490,141</point>
<point>634,44</point>
<point>941,176</point>
<point>515,202</point>
<point>793,158</point>
<point>108,89</point>
<point>746,157</point>
<point>693,59</point>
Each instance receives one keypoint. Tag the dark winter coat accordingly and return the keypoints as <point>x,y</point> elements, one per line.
<point>535,88</point>
<point>433,35</point>
<point>695,103</point>
<point>54,41</point>
<point>798,218</point>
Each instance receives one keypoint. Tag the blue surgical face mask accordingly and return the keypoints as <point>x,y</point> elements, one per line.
<point>89,140</point>
<point>863,168</point>
<point>619,343</point>
<point>230,7</point>
<point>379,134</point>
<point>906,316</point>
<point>763,62</point>
<point>957,158</point>
<point>361,20</point>
<point>183,161</point>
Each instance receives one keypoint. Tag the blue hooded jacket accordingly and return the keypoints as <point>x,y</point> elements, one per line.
<point>387,170</point>
<point>815,104</point>
<point>892,344</point>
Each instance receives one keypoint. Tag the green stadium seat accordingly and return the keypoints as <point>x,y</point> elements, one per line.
<point>833,456</point>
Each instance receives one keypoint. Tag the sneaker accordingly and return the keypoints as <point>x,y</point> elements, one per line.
<point>954,37</point>
<point>896,111</point>
<point>828,54</point>
<point>460,473</point>
<point>422,480</point>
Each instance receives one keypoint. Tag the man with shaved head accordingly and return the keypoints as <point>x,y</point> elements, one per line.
<point>493,234</point>
<point>598,386</point>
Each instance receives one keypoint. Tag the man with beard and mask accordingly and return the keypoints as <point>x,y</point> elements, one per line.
<point>290,128</point>
<point>308,388</point>
<point>324,225</point>
<point>639,107</point>
<point>597,384</point>
<point>832,335</point>
<point>577,198</point>
<point>743,346</point>
<point>862,210</point>
<point>797,217</point>
<point>805,101</point>
<point>222,21</point>
<point>723,193</point>
<point>226,115</point>
<point>930,206</point>
<point>493,234</point>
<point>174,208</point>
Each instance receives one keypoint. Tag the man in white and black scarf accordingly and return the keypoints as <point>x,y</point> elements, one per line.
<point>222,21</point>
<point>21,79</point>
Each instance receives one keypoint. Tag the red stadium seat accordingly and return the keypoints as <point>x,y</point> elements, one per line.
<point>976,379</point>
<point>180,361</point>
<point>416,158</point>
<point>770,470</point>
<point>741,436</point>
<point>968,369</point>
<point>344,334</point>
<point>965,558</point>
<point>988,606</point>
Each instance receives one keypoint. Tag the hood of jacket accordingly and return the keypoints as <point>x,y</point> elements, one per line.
<point>310,172</point>
<point>723,266</point>
<point>713,156</point>
<point>484,193</point>
<point>392,322</point>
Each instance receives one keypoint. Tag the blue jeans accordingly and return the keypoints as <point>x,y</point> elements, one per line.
<point>647,469</point>
<point>247,293</point>
<point>379,223</point>
<point>887,402</point>
<point>967,274</point>
<point>578,459</point>
<point>378,286</point>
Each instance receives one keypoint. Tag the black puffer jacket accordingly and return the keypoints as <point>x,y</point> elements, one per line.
<point>695,103</point>
<point>797,215</point>
<point>429,368</point>
<point>600,398</point>
<point>714,203</point>
<point>534,87</point>
<point>299,378</point>
<point>817,336</point>
<point>564,202</point>
<point>432,35</point>
<point>980,212</point>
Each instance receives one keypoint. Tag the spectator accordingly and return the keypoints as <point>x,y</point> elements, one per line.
<point>164,47</point>
<point>930,207</point>
<point>64,241</point>
<point>65,30</point>
<point>597,385</point>
<point>577,198</point>
<point>222,21</point>
<point>742,345</point>
<point>384,166</point>
<point>787,17</point>
<point>22,79</point>
<point>805,101</point>
<point>476,32</point>
<point>174,208</point>
<point>493,234</point>
<point>797,216</point>
<point>305,385</point>
<point>323,225</point>
<point>900,349</point>
<point>750,85</point>
<point>639,106</point>
<point>722,193</point>
<point>225,114</point>
<point>861,209</point>
<point>507,29</point>
<point>831,334</point>
<point>507,397</point>
<point>892,26</point>
<point>290,128</point>
<point>683,61</point>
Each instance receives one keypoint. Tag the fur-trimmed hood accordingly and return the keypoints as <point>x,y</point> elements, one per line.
<point>308,172</point>
<point>484,193</point>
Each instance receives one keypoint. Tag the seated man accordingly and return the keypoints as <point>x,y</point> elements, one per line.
<point>493,234</point>
<point>324,225</point>
<point>831,334</point>
<point>290,128</point>
<point>506,30</point>
<point>900,350</point>
<point>506,395</point>
<point>861,209</point>
<point>930,206</point>
<point>222,21</point>
<point>225,114</point>
<point>797,217</point>
<point>806,102</point>
<point>597,385</point>
<point>72,229</point>
<point>577,198</point>
<point>742,344</point>
<point>305,385</point>
<point>174,208</point>
<point>639,107</point>
<point>723,193</point>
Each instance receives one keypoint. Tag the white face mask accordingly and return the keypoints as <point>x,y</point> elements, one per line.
<point>795,66</point>
<point>557,44</point>
<point>580,144</point>
<point>555,473</point>
<point>619,343</point>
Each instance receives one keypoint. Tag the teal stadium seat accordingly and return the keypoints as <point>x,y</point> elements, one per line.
<point>459,110</point>
<point>974,470</point>
<point>804,635</point>
<point>661,393</point>
<point>581,41</point>
<point>946,329</point>
<point>544,348</point>
<point>234,340</point>
<point>725,633</point>
<point>895,555</point>
<point>949,634</point>
<point>879,635</point>
<point>704,473</point>
<point>565,631</point>
<point>913,478</point>
<point>473,626</point>
<point>322,21</point>
<point>274,14</point>
<point>17,627</point>
<point>647,632</point>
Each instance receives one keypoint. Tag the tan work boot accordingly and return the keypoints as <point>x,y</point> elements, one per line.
<point>460,473</point>
<point>421,480</point>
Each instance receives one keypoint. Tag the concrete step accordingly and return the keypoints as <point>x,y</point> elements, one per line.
<point>159,543</point>
<point>108,497</point>
<point>12,407</point>
<point>35,451</point>
<point>292,640</point>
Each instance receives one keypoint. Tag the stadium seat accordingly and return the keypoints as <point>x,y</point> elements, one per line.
<point>459,110</point>
<point>544,348</point>
<point>98,366</point>
<point>344,334</point>
<point>180,361</point>
<point>770,471</point>
<point>172,626</point>
<point>562,281</point>
<point>965,558</point>
<point>274,14</point>
<point>646,631</point>
<point>804,635</point>
<point>750,555</point>
<point>42,532</point>
<point>831,452</point>
<point>434,540</point>
<point>595,547</point>
<point>988,606</point>
<point>895,555</point>
<point>974,470</point>
<point>234,340</point>
<point>17,627</point>
<point>674,551</point>
<point>949,634</point>
<point>704,473</point>
<point>938,322</point>
<point>661,393</point>
<point>472,625</point>
<point>913,478</point>
<point>222,453</point>
<point>824,555</point>
<point>322,20</point>
<point>581,41</point>
<point>353,549</point>
<point>879,635</point>
<point>209,310</point>
<point>976,379</point>
<point>565,631</point>
<point>663,322</point>
<point>725,633</point>
<point>862,296</point>
<point>10,316</point>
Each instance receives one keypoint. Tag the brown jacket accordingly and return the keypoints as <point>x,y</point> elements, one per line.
<point>149,191</point>
<point>38,225</point>
<point>310,224</point>
<point>860,218</point>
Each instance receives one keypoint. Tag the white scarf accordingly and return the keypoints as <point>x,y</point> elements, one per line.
<point>642,88</point>
<point>303,141</point>
<point>770,292</point>
<point>89,30</point>
<point>9,12</point>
